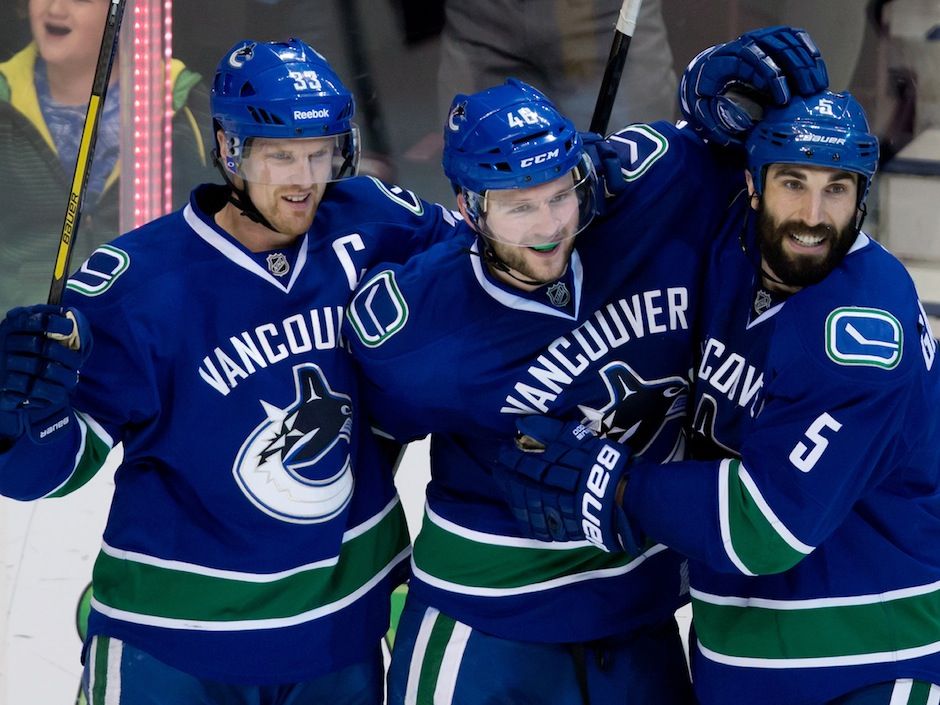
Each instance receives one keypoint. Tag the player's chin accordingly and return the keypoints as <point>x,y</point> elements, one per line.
<point>548,273</point>
<point>296,225</point>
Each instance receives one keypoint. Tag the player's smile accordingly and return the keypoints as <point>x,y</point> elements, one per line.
<point>298,202</point>
<point>809,241</point>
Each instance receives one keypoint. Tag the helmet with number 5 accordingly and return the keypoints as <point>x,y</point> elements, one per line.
<point>513,137</point>
<point>281,90</point>
<point>823,130</point>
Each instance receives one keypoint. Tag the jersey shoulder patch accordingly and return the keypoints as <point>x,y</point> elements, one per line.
<point>100,271</point>
<point>868,337</point>
<point>378,310</point>
<point>640,146</point>
<point>400,196</point>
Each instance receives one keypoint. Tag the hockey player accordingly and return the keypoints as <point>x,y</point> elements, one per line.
<point>813,514</point>
<point>541,308</point>
<point>254,535</point>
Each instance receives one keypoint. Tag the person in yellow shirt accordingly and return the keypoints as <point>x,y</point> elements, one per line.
<point>44,91</point>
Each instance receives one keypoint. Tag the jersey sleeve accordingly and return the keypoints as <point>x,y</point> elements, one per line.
<point>839,394</point>
<point>30,470</point>
<point>399,331</point>
<point>411,225</point>
<point>660,160</point>
<point>116,392</point>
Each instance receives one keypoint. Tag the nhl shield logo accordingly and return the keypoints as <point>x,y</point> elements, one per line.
<point>558,294</point>
<point>762,301</point>
<point>278,264</point>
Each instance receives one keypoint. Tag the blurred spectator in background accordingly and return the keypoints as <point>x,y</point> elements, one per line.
<point>44,92</point>
<point>560,47</point>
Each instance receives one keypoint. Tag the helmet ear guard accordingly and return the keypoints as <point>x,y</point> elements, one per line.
<point>827,130</point>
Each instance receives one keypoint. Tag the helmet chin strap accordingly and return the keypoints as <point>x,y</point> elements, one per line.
<point>492,259</point>
<point>489,256</point>
<point>240,198</point>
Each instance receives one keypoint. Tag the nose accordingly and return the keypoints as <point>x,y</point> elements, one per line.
<point>811,208</point>
<point>304,174</point>
<point>56,7</point>
<point>546,221</point>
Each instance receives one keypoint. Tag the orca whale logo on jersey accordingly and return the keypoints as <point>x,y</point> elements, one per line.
<point>637,410</point>
<point>295,465</point>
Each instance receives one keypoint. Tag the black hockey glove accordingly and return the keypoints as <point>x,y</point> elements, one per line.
<point>42,348</point>
<point>564,484</point>
<point>725,89</point>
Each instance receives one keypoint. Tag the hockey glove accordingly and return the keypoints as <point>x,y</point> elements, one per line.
<point>39,369</point>
<point>724,90</point>
<point>564,484</point>
<point>610,181</point>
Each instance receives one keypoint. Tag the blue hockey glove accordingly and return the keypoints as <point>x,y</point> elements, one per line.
<point>42,349</point>
<point>606,161</point>
<point>724,90</point>
<point>564,484</point>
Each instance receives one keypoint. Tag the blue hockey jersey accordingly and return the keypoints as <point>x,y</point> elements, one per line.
<point>815,530</point>
<point>254,534</point>
<point>448,349</point>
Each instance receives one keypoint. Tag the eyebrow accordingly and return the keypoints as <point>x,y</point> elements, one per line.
<point>798,173</point>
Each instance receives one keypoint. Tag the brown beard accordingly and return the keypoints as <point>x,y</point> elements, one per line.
<point>801,271</point>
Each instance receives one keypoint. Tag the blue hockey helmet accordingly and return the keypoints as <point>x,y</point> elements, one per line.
<point>512,137</point>
<point>282,90</point>
<point>824,130</point>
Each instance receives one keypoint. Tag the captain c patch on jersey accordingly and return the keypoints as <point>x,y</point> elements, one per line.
<point>295,465</point>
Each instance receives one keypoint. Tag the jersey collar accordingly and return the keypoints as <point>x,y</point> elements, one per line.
<point>519,302</point>
<point>229,248</point>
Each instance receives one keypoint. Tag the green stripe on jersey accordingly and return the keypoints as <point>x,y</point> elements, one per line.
<point>96,445</point>
<point>472,562</point>
<point>99,680</point>
<point>756,541</point>
<point>144,590</point>
<point>849,630</point>
<point>433,659</point>
<point>920,692</point>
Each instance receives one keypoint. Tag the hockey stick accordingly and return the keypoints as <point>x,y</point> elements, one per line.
<point>623,33</point>
<point>86,150</point>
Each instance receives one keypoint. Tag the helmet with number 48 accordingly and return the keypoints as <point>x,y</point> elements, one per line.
<point>518,166</point>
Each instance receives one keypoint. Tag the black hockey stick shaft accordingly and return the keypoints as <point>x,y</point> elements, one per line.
<point>623,33</point>
<point>86,149</point>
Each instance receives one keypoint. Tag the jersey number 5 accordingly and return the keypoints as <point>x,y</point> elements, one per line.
<point>804,457</point>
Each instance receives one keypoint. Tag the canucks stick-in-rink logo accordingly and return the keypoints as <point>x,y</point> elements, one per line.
<point>295,465</point>
<point>638,410</point>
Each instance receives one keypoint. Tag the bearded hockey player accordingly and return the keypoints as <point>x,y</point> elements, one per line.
<point>813,515</point>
